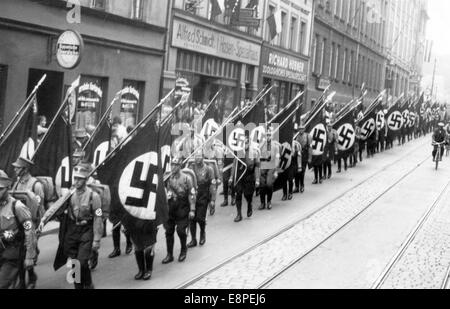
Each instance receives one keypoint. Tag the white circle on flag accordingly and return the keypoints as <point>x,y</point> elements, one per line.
<point>368,128</point>
<point>395,121</point>
<point>346,137</point>
<point>258,136</point>
<point>100,153</point>
<point>319,139</point>
<point>166,159</point>
<point>62,179</point>
<point>381,121</point>
<point>127,192</point>
<point>412,119</point>
<point>210,128</point>
<point>406,118</point>
<point>236,140</point>
<point>286,156</point>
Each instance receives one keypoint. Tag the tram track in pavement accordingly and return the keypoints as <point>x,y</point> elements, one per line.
<point>263,284</point>
<point>408,244</point>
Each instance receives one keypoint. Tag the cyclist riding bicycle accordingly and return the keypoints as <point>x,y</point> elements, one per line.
<point>439,137</point>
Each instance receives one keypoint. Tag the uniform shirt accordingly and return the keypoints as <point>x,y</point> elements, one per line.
<point>86,206</point>
<point>9,223</point>
<point>205,180</point>
<point>29,183</point>
<point>180,186</point>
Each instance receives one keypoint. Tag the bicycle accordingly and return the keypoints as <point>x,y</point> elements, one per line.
<point>438,156</point>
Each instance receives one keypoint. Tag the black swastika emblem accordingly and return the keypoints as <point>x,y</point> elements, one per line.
<point>237,140</point>
<point>318,139</point>
<point>346,137</point>
<point>286,157</point>
<point>368,128</point>
<point>396,121</point>
<point>148,185</point>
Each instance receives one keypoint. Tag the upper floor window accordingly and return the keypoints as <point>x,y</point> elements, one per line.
<point>138,9</point>
<point>98,4</point>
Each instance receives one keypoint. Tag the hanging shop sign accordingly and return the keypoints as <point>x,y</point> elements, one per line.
<point>69,49</point>
<point>283,66</point>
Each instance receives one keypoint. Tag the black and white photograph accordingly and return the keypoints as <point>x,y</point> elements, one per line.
<point>206,146</point>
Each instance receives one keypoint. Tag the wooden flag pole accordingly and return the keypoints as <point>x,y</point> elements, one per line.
<point>22,108</point>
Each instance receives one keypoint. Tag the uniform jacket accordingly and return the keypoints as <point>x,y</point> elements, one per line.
<point>15,219</point>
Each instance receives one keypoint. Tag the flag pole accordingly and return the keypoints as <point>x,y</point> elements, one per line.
<point>125,140</point>
<point>104,117</point>
<point>212,101</point>
<point>23,107</point>
<point>53,123</point>
<point>297,97</point>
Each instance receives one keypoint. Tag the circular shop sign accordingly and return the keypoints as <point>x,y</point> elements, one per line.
<point>69,49</point>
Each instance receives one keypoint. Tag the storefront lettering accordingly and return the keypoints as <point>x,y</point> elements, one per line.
<point>91,87</point>
<point>130,90</point>
<point>202,40</point>
<point>283,66</point>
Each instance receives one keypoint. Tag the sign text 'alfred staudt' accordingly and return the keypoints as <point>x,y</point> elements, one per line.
<point>200,39</point>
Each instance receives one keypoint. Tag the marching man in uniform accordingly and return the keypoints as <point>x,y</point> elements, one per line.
<point>270,155</point>
<point>27,183</point>
<point>206,196</point>
<point>304,139</point>
<point>249,178</point>
<point>84,224</point>
<point>17,235</point>
<point>181,195</point>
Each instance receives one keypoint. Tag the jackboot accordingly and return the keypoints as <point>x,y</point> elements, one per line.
<point>202,233</point>
<point>169,242</point>
<point>141,264</point>
<point>148,257</point>
<point>193,229</point>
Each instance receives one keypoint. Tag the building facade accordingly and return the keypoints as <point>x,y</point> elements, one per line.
<point>285,57</point>
<point>347,49</point>
<point>236,58</point>
<point>123,48</point>
<point>406,45</point>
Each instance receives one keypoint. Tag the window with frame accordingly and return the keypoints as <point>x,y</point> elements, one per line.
<point>98,4</point>
<point>3,78</point>
<point>137,11</point>
<point>302,38</point>
<point>293,34</point>
<point>323,56</point>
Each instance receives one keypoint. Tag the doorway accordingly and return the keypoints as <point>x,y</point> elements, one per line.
<point>49,95</point>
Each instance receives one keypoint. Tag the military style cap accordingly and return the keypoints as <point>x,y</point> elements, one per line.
<point>23,163</point>
<point>82,170</point>
<point>5,181</point>
<point>80,133</point>
<point>441,124</point>
<point>79,153</point>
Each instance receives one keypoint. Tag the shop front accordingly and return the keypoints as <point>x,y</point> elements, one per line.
<point>128,57</point>
<point>212,61</point>
<point>286,73</point>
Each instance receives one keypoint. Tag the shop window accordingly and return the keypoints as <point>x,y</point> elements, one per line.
<point>91,98</point>
<point>131,102</point>
<point>3,77</point>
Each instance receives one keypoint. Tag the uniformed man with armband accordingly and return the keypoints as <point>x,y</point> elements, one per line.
<point>246,179</point>
<point>17,235</point>
<point>270,160</point>
<point>27,183</point>
<point>181,195</point>
<point>84,224</point>
<point>206,197</point>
